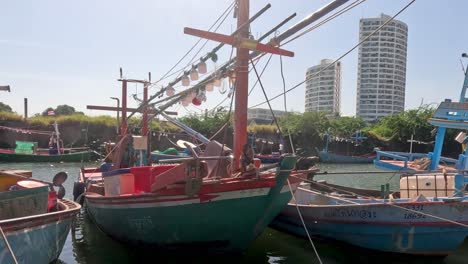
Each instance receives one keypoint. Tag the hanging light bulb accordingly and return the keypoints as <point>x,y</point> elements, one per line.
<point>217,82</point>
<point>185,80</point>
<point>223,87</point>
<point>209,87</point>
<point>185,103</point>
<point>194,74</point>
<point>192,95</point>
<point>196,101</point>
<point>202,67</point>
<point>232,77</point>
<point>170,91</point>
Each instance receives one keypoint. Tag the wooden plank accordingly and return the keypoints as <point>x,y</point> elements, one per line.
<point>241,42</point>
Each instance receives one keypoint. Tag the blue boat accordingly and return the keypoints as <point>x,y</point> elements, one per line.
<point>34,223</point>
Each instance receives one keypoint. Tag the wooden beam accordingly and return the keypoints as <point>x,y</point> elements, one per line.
<point>241,42</point>
<point>113,108</point>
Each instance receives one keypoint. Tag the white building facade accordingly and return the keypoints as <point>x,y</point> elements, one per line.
<point>263,115</point>
<point>381,68</point>
<point>323,87</point>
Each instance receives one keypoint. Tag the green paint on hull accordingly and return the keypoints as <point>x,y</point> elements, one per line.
<point>230,224</point>
<point>72,157</point>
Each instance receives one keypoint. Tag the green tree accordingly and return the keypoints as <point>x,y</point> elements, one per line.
<point>345,126</point>
<point>206,124</point>
<point>5,108</point>
<point>65,110</point>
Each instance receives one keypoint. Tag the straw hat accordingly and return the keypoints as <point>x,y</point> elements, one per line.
<point>184,144</point>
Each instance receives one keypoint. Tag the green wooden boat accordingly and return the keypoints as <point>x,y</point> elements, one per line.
<point>10,156</point>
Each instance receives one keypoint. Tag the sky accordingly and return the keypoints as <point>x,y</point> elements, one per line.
<point>69,52</point>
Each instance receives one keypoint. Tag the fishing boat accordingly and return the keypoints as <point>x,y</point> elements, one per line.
<point>432,225</point>
<point>216,201</point>
<point>326,156</point>
<point>29,152</point>
<point>34,219</point>
<point>428,215</point>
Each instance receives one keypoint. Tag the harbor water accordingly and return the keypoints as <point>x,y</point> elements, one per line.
<point>87,244</point>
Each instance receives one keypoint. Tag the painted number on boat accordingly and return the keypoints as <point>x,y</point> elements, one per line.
<point>354,213</point>
<point>412,214</point>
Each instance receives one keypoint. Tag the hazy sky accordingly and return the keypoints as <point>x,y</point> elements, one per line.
<point>69,52</point>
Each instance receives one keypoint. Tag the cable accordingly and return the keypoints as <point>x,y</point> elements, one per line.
<point>261,73</point>
<point>342,56</point>
<point>229,8</point>
<point>266,97</point>
<point>303,223</point>
<point>285,106</point>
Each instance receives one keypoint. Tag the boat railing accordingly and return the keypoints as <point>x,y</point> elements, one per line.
<point>382,158</point>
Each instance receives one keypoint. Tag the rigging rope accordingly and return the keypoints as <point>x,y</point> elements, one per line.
<point>8,246</point>
<point>303,223</point>
<point>227,10</point>
<point>285,106</point>
<point>339,58</point>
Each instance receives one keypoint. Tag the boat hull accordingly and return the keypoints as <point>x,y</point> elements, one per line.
<point>38,238</point>
<point>72,157</point>
<point>383,227</point>
<point>327,157</point>
<point>228,222</point>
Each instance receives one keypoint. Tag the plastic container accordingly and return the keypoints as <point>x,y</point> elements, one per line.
<point>257,162</point>
<point>112,181</point>
<point>127,183</point>
<point>144,176</point>
<point>434,185</point>
<point>52,202</point>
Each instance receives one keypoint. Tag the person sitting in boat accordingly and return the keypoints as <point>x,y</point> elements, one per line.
<point>53,150</point>
<point>247,160</point>
<point>106,165</point>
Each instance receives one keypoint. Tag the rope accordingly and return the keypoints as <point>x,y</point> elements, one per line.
<point>261,73</point>
<point>285,106</point>
<point>266,97</point>
<point>228,9</point>
<point>303,223</point>
<point>8,246</point>
<point>339,58</point>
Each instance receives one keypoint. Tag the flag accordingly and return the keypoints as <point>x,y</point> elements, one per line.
<point>50,112</point>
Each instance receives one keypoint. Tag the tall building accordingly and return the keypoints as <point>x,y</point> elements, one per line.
<point>323,87</point>
<point>381,68</point>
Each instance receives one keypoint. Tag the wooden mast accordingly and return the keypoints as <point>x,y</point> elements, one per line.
<point>243,44</point>
<point>242,84</point>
